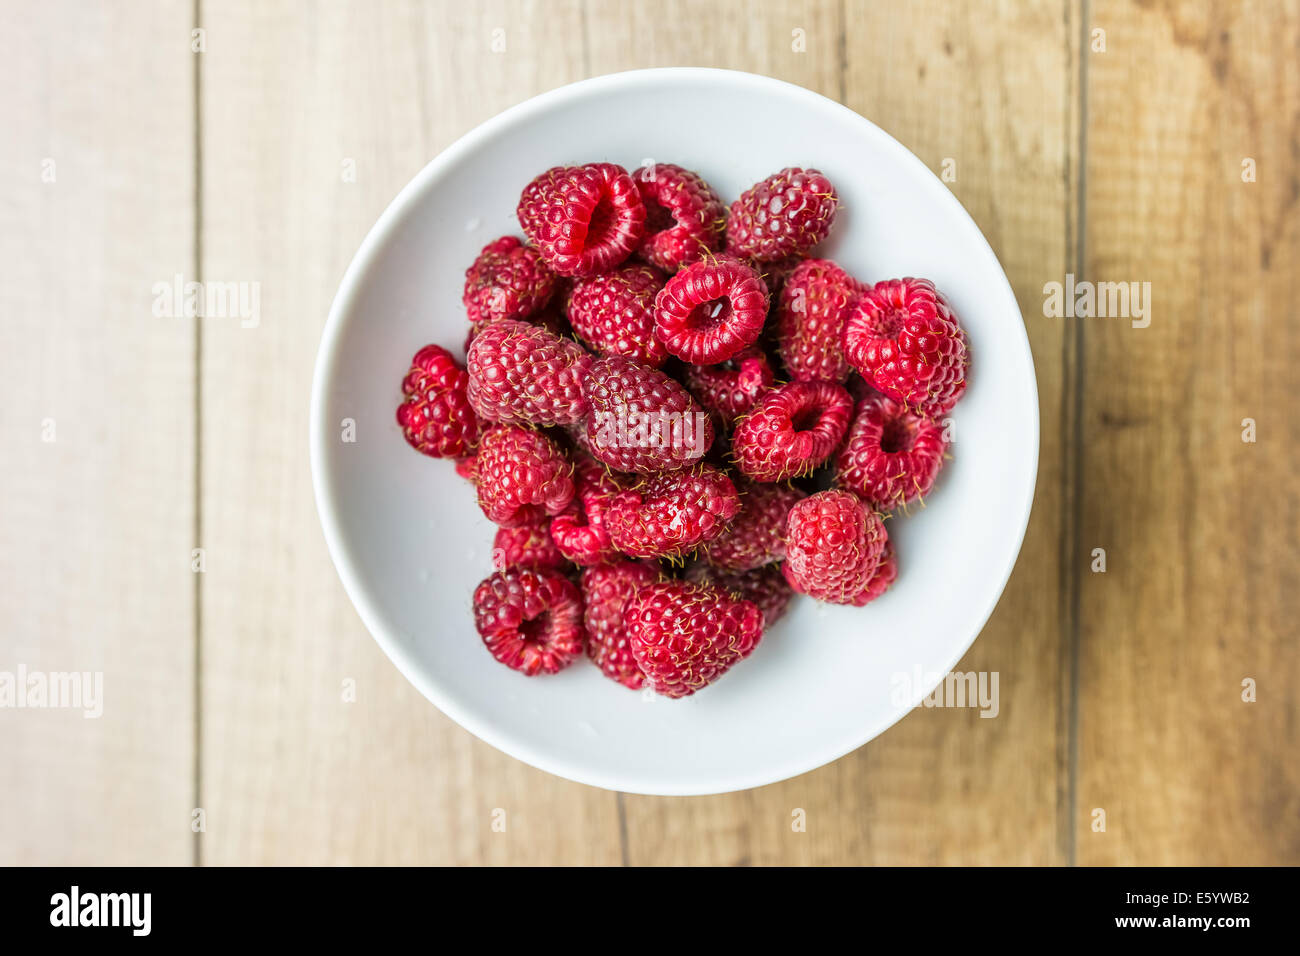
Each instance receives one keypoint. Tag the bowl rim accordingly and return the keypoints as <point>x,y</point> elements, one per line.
<point>328,357</point>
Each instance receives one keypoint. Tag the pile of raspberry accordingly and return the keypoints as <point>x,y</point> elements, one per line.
<point>677,416</point>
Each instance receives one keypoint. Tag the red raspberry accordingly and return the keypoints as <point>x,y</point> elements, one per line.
<point>731,388</point>
<point>614,313</point>
<point>810,315</point>
<point>685,636</point>
<point>906,341</point>
<point>436,416</point>
<point>528,546</point>
<point>711,310</point>
<point>668,514</point>
<point>548,317</point>
<point>530,620</point>
<point>892,456</point>
<point>757,535</point>
<point>793,429</point>
<point>467,468</point>
<point>521,475</point>
<point>777,274</point>
<point>508,280</point>
<point>523,374</point>
<point>765,586</point>
<point>607,590</point>
<point>784,215</point>
<point>886,574</point>
<point>834,545</point>
<point>579,531</point>
<point>583,219</point>
<point>684,216</point>
<point>641,420</point>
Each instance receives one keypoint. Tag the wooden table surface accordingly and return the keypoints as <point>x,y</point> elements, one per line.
<point>1163,149</point>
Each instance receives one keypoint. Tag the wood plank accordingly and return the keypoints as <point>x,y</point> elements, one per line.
<point>942,786</point>
<point>96,496</point>
<point>291,773</point>
<point>1201,530</point>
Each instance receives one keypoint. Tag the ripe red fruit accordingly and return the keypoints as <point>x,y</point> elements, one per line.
<point>730,389</point>
<point>886,574</point>
<point>685,636</point>
<point>684,216</point>
<point>579,531</point>
<point>436,416</point>
<point>530,620</point>
<point>583,219</point>
<point>810,316</point>
<point>892,456</point>
<point>784,215</point>
<point>528,546</point>
<point>834,546</point>
<point>641,420</point>
<point>765,586</point>
<point>793,429</point>
<point>907,342</point>
<point>521,476</point>
<point>607,590</point>
<point>523,374</point>
<point>614,313</point>
<point>669,514</point>
<point>711,310</point>
<point>508,280</point>
<point>756,536</point>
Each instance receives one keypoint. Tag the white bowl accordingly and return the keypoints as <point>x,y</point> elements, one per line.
<point>410,544</point>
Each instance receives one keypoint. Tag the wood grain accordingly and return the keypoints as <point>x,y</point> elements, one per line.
<point>1201,530</point>
<point>925,791</point>
<point>292,773</point>
<point>1120,691</point>
<point>97,488</point>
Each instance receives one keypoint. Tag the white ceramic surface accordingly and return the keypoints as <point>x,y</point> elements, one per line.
<point>410,545</point>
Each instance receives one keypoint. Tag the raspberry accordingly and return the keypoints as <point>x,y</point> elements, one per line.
<point>731,388</point>
<point>508,280</point>
<point>523,374</point>
<point>886,574</point>
<point>685,636</point>
<point>467,468</point>
<point>810,315</point>
<point>892,456</point>
<point>834,545</point>
<point>614,313</point>
<point>765,586</point>
<point>583,219</point>
<point>530,620</point>
<point>684,216</point>
<point>906,341</point>
<point>711,310</point>
<point>579,531</point>
<point>606,591</point>
<point>641,420</point>
<point>757,535</point>
<point>528,546</point>
<point>521,476</point>
<point>784,215</point>
<point>436,416</point>
<point>793,429</point>
<point>777,274</point>
<point>548,317</point>
<point>668,514</point>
